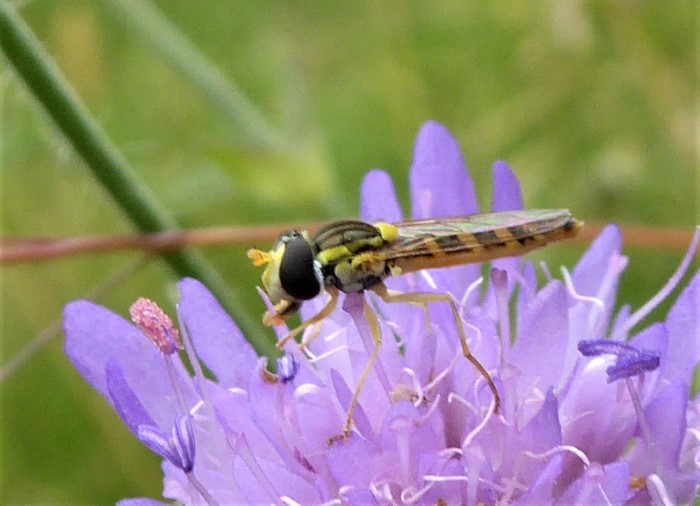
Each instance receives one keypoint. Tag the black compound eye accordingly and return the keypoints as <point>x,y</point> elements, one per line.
<point>297,274</point>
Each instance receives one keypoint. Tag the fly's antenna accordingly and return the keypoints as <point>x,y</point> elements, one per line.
<point>259,257</point>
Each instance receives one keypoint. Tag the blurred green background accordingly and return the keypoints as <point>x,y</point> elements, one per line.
<point>592,103</point>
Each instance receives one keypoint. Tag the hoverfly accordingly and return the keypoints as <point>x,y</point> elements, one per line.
<point>354,256</point>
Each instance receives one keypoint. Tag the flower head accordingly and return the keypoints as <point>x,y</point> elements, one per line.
<point>423,431</point>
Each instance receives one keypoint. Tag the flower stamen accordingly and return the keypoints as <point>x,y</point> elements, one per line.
<point>417,388</point>
<point>317,358</point>
<point>658,492</point>
<point>630,361</point>
<point>595,317</point>
<point>643,311</point>
<point>545,270</point>
<point>179,449</point>
<point>560,449</point>
<point>443,374</point>
<point>480,426</point>
<point>499,282</point>
<point>157,326</point>
<point>431,409</point>
<point>287,368</point>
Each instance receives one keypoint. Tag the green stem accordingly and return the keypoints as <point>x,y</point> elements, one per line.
<point>107,164</point>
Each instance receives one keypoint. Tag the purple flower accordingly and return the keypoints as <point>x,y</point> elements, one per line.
<point>423,432</point>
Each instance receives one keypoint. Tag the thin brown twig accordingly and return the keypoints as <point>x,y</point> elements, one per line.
<point>33,249</point>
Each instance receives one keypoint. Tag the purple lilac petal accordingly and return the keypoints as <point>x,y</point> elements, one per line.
<point>612,478</point>
<point>141,501</point>
<point>450,492</point>
<point>405,436</point>
<point>268,408</point>
<point>344,395</point>
<point>378,200</point>
<point>666,419</point>
<point>528,287</point>
<point>344,457</point>
<point>609,420</point>
<point>541,434</point>
<point>264,482</point>
<point>441,187</point>
<point>683,326</point>
<point>652,338</point>
<point>543,334</point>
<point>507,195</point>
<point>609,423</point>
<point>95,335</point>
<point>420,350</point>
<point>590,271</point>
<point>232,411</point>
<point>440,184</point>
<point>216,338</point>
<point>360,497</point>
<point>540,492</point>
<point>621,318</point>
<point>124,400</point>
<point>315,417</point>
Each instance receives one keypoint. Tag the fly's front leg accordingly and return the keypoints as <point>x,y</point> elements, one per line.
<point>373,322</point>
<point>326,311</point>
<point>422,299</point>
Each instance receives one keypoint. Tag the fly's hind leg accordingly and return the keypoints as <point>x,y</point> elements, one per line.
<point>422,299</point>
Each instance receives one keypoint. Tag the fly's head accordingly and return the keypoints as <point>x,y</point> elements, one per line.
<point>292,274</point>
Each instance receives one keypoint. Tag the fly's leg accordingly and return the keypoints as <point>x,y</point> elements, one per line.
<point>373,322</point>
<point>322,314</point>
<point>422,299</point>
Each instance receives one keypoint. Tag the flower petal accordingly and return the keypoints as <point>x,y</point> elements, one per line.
<point>344,396</point>
<point>592,270</point>
<point>609,420</point>
<point>216,338</point>
<point>95,335</point>
<point>378,199</point>
<point>124,400</point>
<point>541,435</point>
<point>141,501</point>
<point>440,184</point>
<point>667,426</point>
<point>543,337</point>
<point>541,491</point>
<point>441,187</point>
<point>666,418</point>
<point>506,194</point>
<point>343,459</point>
<point>683,326</point>
<point>599,484</point>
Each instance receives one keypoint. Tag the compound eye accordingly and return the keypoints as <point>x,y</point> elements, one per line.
<point>297,274</point>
